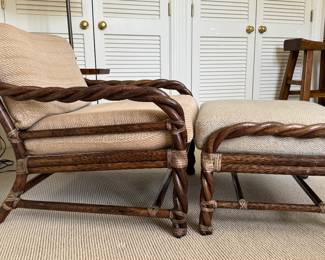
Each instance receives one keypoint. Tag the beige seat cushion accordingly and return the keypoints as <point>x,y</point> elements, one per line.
<point>114,113</point>
<point>37,60</point>
<point>217,114</point>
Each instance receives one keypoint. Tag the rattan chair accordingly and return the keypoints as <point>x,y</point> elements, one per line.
<point>53,127</point>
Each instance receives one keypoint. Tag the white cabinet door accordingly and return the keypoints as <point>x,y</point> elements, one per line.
<point>223,52</point>
<point>49,16</point>
<point>135,44</point>
<point>283,19</point>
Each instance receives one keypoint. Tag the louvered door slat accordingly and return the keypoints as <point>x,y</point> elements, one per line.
<point>222,70</point>
<point>48,7</point>
<point>128,57</point>
<point>132,9</point>
<point>222,9</point>
<point>275,11</point>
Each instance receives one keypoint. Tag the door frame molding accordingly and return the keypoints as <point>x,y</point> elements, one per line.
<point>318,24</point>
<point>181,42</point>
<point>2,15</point>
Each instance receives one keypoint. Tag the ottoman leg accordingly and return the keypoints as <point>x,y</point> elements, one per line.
<point>207,204</point>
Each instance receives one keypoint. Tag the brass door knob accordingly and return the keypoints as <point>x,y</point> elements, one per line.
<point>102,25</point>
<point>250,29</point>
<point>262,29</point>
<point>84,25</point>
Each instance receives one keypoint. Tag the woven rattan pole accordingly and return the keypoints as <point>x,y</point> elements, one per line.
<point>308,190</point>
<point>96,158</point>
<point>265,159</point>
<point>238,189</point>
<point>69,20</point>
<point>161,196</point>
<point>97,167</point>
<point>269,169</point>
<point>98,130</point>
<point>270,206</point>
<point>91,208</point>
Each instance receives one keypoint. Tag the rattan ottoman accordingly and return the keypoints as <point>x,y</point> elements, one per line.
<point>259,137</point>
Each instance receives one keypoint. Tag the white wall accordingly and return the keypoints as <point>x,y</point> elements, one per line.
<point>2,15</point>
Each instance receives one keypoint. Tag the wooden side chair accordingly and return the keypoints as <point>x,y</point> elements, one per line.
<point>53,128</point>
<point>305,92</point>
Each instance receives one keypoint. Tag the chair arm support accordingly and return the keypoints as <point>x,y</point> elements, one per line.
<point>159,83</point>
<point>263,129</point>
<point>104,91</point>
<point>95,71</point>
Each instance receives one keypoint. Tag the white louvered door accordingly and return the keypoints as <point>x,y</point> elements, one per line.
<point>223,52</point>
<point>49,16</point>
<point>135,44</point>
<point>283,19</point>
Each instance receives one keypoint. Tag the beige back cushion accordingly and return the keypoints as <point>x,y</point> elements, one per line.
<point>37,60</point>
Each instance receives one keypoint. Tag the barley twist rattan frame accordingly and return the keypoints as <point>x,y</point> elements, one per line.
<point>179,158</point>
<point>298,166</point>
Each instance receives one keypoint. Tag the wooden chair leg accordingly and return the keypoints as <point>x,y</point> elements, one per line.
<point>179,218</point>
<point>206,214</point>
<point>13,197</point>
<point>306,75</point>
<point>191,159</point>
<point>322,77</point>
<point>290,69</point>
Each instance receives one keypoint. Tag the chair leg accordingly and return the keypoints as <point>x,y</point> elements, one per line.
<point>285,88</point>
<point>13,197</point>
<point>306,76</point>
<point>191,159</point>
<point>179,217</point>
<point>322,78</point>
<point>206,214</point>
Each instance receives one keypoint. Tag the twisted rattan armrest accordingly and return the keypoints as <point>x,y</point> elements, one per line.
<point>104,90</point>
<point>263,129</point>
<point>159,83</point>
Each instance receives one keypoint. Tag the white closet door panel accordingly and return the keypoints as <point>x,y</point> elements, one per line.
<point>135,44</point>
<point>49,16</point>
<point>223,53</point>
<point>284,20</point>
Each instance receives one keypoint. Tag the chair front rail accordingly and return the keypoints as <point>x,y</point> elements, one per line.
<point>97,130</point>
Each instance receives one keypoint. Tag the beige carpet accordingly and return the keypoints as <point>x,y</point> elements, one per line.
<point>30,234</point>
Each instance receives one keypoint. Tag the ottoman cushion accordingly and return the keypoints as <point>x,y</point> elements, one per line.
<point>217,114</point>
